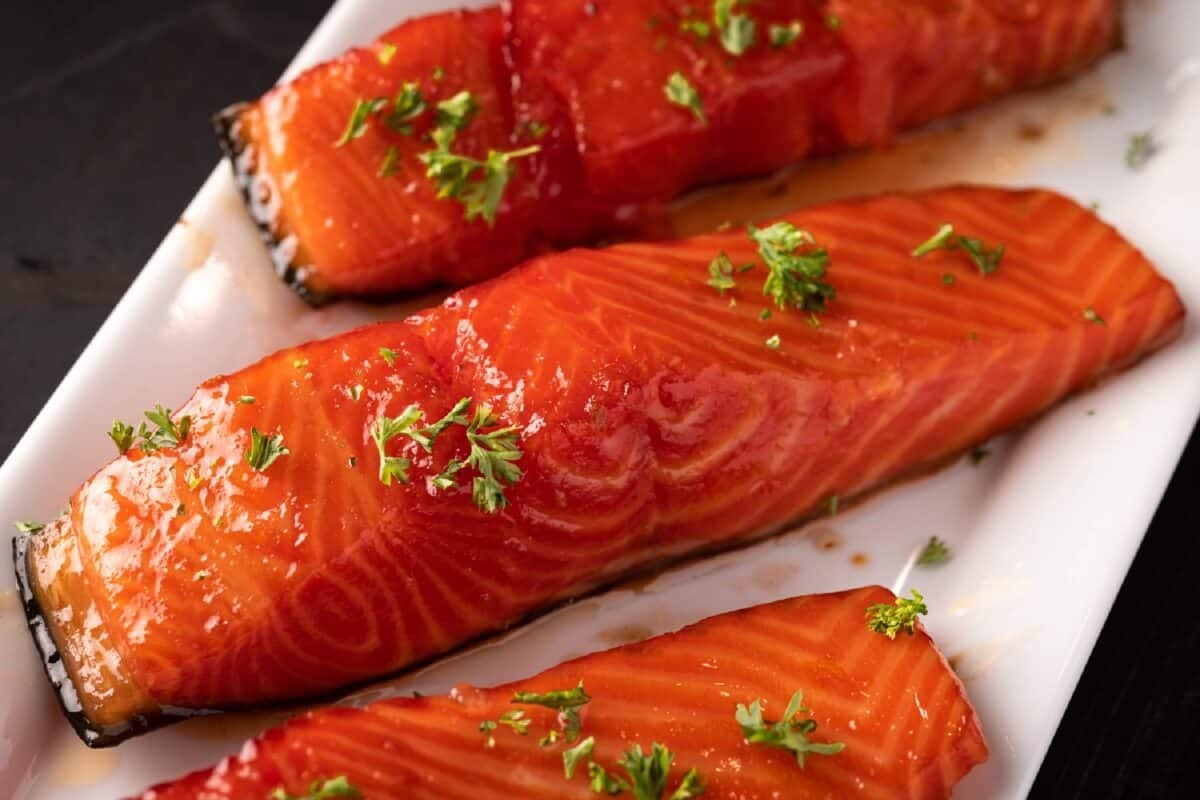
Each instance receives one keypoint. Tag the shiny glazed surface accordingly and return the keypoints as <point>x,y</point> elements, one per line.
<point>655,422</point>
<point>613,148</point>
<point>909,730</point>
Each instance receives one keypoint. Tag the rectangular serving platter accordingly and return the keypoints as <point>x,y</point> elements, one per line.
<point>1042,530</point>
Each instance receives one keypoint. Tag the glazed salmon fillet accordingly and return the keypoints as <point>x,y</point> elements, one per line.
<point>652,416</point>
<point>586,85</point>
<point>905,724</point>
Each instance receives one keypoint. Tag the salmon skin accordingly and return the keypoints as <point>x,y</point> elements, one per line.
<point>585,83</point>
<point>656,417</point>
<point>903,717</point>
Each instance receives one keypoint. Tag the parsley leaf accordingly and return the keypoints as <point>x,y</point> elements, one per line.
<point>264,450</point>
<point>573,755</point>
<point>720,273</point>
<point>25,526</point>
<point>1091,316</point>
<point>246,399</point>
<point>514,719</point>
<point>492,456</point>
<point>385,53</point>
<point>890,619</point>
<point>789,733</point>
<point>356,126</point>
<point>1142,148</point>
<point>321,790</point>
<point>390,164</point>
<point>935,552</point>
<point>697,27</point>
<point>455,176</point>
<point>648,775</point>
<point>681,92</point>
<point>383,431</point>
<point>783,35</point>
<point>736,31</point>
<point>566,701</point>
<point>795,276</point>
<point>166,432</point>
<point>408,105</point>
<point>452,115</point>
<point>773,342</point>
<point>388,355</point>
<point>986,260</point>
<point>122,436</point>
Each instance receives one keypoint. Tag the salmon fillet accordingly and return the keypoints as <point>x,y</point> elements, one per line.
<point>585,83</point>
<point>656,417</point>
<point>903,717</point>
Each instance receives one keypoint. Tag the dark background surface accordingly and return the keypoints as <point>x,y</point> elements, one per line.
<point>105,138</point>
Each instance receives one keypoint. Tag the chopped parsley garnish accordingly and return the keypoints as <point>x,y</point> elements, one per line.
<point>795,267</point>
<point>388,355</point>
<point>408,105</point>
<point>986,259</point>
<point>832,504</point>
<point>790,733</point>
<point>300,363</point>
<point>648,775</point>
<point>452,115</point>
<point>681,92</point>
<point>356,126</point>
<point>948,278</point>
<point>192,477</point>
<point>321,790</point>
<point>720,273</point>
<point>1091,316</point>
<point>25,526</point>
<point>573,755</point>
<point>513,719</point>
<point>456,176</point>
<point>935,552</point>
<point>765,314</point>
<point>383,431</point>
<point>354,392</point>
<point>783,35</point>
<point>492,456</point>
<point>391,162</point>
<point>201,575</point>
<point>697,27</point>
<point>566,702</point>
<point>246,399</point>
<point>890,619</point>
<point>1142,148</point>
<point>264,450</point>
<point>385,53</point>
<point>438,73</point>
<point>736,31</point>
<point>122,436</point>
<point>773,342</point>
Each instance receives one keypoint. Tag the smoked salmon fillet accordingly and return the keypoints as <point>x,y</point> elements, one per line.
<point>903,719</point>
<point>591,414</point>
<point>587,85</point>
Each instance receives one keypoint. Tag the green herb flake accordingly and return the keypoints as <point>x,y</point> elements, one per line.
<point>492,456</point>
<point>356,126</point>
<point>697,27</point>
<point>573,755</point>
<point>478,185</point>
<point>736,31</point>
<point>321,790</point>
<point>935,552</point>
<point>566,702</point>
<point>193,478</point>
<point>832,504</point>
<point>790,733</point>
<point>122,436</point>
<point>201,575</point>
<point>764,315</point>
<point>388,355</point>
<point>681,92</point>
<point>986,259</point>
<point>264,450</point>
<point>438,74</point>
<point>384,429</point>
<point>1091,316</point>
<point>390,164</point>
<point>720,273</point>
<point>890,619</point>
<point>247,399</point>
<point>385,53</point>
<point>948,278</point>
<point>795,267</point>
<point>833,22</point>
<point>25,526</point>
<point>1142,148</point>
<point>300,363</point>
<point>451,116</point>
<point>773,342</point>
<point>165,433</point>
<point>784,35</point>
<point>514,719</point>
<point>408,105</point>
<point>355,392</point>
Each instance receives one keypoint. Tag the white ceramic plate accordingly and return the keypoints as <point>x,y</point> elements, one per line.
<point>1043,531</point>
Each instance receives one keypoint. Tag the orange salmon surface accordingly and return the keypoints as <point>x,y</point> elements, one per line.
<point>903,721</point>
<point>627,103</point>
<point>352,506</point>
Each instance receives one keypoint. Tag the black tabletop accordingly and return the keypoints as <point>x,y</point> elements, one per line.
<point>104,134</point>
